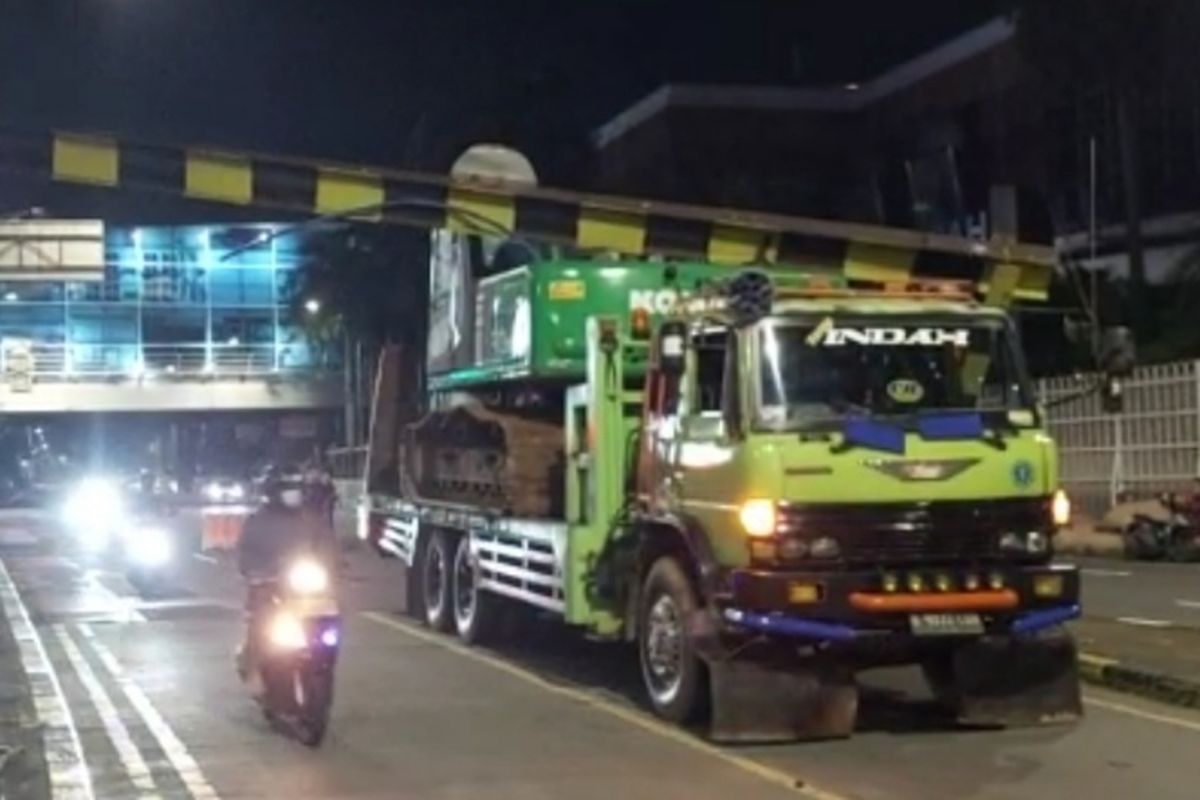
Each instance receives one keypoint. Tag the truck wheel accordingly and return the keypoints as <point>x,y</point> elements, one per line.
<point>474,609</point>
<point>414,580</point>
<point>435,582</point>
<point>671,671</point>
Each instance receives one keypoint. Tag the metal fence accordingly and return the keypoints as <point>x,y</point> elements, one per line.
<point>1152,446</point>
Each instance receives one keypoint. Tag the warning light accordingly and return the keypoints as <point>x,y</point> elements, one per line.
<point>639,324</point>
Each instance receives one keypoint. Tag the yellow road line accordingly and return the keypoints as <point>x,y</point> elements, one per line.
<point>1151,716</point>
<point>638,719</point>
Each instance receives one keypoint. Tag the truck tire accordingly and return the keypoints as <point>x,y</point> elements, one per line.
<point>672,673</point>
<point>436,578</point>
<point>414,598</point>
<point>475,610</point>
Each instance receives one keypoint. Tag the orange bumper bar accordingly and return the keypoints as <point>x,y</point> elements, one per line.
<point>999,600</point>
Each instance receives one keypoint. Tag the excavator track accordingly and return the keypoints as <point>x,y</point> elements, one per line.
<point>504,461</point>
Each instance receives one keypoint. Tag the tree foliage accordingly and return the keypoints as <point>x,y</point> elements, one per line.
<point>368,281</point>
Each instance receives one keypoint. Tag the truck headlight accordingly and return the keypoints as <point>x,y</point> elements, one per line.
<point>1037,543</point>
<point>758,517</point>
<point>824,547</point>
<point>1060,509</point>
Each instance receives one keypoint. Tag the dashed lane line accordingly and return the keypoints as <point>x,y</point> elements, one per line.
<point>118,734</point>
<point>635,718</point>
<point>69,775</point>
<point>1143,622</point>
<point>177,753</point>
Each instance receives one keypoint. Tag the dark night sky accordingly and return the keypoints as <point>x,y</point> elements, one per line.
<point>370,80</point>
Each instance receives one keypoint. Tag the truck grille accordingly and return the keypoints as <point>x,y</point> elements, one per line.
<point>916,532</point>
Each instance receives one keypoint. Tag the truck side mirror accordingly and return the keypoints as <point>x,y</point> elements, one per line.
<point>1118,355</point>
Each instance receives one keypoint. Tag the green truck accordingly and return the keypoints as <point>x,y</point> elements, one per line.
<point>767,478</point>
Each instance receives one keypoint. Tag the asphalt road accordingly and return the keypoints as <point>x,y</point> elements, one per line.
<point>158,712</point>
<point>1142,592</point>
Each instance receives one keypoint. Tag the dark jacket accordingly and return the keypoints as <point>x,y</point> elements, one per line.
<point>276,532</point>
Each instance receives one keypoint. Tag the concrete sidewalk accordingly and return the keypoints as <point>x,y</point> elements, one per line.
<point>1162,663</point>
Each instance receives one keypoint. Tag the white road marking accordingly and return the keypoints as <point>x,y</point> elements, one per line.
<point>177,753</point>
<point>207,559</point>
<point>1144,622</point>
<point>1106,573</point>
<point>1188,603</point>
<point>118,734</point>
<point>69,776</point>
<point>636,718</point>
<point>1121,708</point>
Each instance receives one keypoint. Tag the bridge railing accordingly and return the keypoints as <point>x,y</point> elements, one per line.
<point>58,362</point>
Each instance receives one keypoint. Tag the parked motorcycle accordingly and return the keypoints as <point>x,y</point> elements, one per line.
<point>298,637</point>
<point>1175,538</point>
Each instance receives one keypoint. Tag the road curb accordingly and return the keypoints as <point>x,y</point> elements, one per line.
<point>1131,679</point>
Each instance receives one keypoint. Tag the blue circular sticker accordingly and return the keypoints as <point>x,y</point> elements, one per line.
<point>1022,474</point>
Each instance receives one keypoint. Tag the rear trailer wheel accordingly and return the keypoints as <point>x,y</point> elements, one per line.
<point>474,609</point>
<point>436,582</point>
<point>414,582</point>
<point>672,672</point>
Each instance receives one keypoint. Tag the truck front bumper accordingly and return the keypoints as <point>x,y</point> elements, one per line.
<point>846,606</point>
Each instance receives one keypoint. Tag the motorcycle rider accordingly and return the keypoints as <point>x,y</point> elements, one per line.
<point>280,528</point>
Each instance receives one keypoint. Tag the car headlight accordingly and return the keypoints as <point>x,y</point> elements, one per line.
<point>308,577</point>
<point>148,547</point>
<point>287,632</point>
<point>94,503</point>
<point>236,492</point>
<point>213,492</point>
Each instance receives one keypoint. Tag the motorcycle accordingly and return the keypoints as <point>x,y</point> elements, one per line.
<point>1175,538</point>
<point>298,633</point>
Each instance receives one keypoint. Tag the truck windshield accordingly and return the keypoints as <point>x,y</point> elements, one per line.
<point>814,373</point>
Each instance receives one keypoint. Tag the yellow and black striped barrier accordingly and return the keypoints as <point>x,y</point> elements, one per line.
<point>1003,270</point>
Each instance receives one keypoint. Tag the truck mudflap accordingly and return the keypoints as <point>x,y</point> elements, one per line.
<point>1017,680</point>
<point>775,696</point>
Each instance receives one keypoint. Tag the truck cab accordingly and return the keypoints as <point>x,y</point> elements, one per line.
<point>858,470</point>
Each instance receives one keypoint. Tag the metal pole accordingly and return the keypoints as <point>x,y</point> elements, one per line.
<point>348,390</point>
<point>1094,269</point>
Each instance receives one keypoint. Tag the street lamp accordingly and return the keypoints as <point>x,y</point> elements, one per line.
<point>312,305</point>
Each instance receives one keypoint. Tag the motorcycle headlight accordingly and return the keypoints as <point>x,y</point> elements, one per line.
<point>287,632</point>
<point>308,577</point>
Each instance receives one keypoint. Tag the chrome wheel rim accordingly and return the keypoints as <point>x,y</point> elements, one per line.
<point>662,650</point>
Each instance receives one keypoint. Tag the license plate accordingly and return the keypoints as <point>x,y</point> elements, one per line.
<point>945,624</point>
